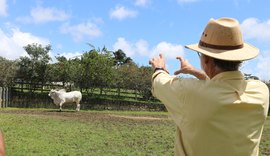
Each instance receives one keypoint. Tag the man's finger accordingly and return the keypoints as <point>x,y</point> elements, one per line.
<point>180,58</point>
<point>161,56</point>
<point>177,72</point>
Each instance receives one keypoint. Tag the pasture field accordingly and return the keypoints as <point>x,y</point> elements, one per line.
<point>31,132</point>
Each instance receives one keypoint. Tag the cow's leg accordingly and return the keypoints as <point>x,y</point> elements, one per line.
<point>78,107</point>
<point>60,109</point>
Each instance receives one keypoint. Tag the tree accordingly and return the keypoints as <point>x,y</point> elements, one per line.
<point>250,76</point>
<point>32,68</point>
<point>8,71</point>
<point>127,77</point>
<point>145,82</point>
<point>97,69</point>
<point>138,79</point>
<point>62,70</point>
<point>75,72</point>
<point>120,58</point>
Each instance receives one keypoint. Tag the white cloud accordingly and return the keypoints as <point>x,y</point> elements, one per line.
<point>68,55</point>
<point>142,3</point>
<point>263,66</point>
<point>43,15</point>
<point>71,55</point>
<point>259,66</point>
<point>40,14</point>
<point>88,30</point>
<point>255,29</point>
<point>169,50</point>
<point>121,13</point>
<point>12,43</point>
<point>141,48</point>
<point>127,47</point>
<point>3,8</point>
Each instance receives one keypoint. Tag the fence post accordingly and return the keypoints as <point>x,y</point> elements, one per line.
<point>4,97</point>
<point>1,90</point>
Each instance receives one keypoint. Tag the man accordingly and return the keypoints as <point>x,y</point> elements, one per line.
<point>221,113</point>
<point>2,146</point>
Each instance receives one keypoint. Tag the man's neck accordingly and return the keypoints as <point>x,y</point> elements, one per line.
<point>212,73</point>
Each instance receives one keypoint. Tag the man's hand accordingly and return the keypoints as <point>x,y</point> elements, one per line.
<point>158,62</point>
<point>187,68</point>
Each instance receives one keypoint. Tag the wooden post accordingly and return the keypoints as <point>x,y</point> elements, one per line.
<point>1,90</point>
<point>6,96</point>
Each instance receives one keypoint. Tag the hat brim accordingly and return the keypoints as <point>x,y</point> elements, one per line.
<point>247,52</point>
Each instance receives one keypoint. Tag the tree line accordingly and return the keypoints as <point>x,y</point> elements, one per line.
<point>96,68</point>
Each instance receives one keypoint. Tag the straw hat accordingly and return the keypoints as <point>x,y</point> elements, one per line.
<point>222,39</point>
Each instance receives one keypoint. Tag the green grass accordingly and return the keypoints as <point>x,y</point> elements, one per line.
<point>89,133</point>
<point>265,141</point>
<point>31,132</point>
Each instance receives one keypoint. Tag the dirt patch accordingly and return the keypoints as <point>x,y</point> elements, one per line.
<point>82,116</point>
<point>137,117</point>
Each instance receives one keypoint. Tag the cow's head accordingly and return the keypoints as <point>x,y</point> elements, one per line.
<point>52,93</point>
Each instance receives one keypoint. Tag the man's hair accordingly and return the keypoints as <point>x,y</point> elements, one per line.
<point>228,65</point>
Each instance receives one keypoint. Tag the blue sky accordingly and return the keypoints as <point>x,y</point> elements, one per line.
<point>142,28</point>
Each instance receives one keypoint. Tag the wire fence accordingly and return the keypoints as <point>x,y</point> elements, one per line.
<point>22,95</point>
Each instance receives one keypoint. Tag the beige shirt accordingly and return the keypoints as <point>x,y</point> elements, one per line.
<point>223,116</point>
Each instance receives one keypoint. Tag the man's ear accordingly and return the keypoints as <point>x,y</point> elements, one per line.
<point>209,61</point>
<point>206,59</point>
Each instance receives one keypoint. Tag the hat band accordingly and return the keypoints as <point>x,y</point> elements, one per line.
<point>220,47</point>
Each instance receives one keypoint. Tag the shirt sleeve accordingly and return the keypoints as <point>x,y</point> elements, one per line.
<point>166,89</point>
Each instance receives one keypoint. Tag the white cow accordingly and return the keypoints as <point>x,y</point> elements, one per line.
<point>61,96</point>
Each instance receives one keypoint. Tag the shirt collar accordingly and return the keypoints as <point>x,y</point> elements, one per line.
<point>229,75</point>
